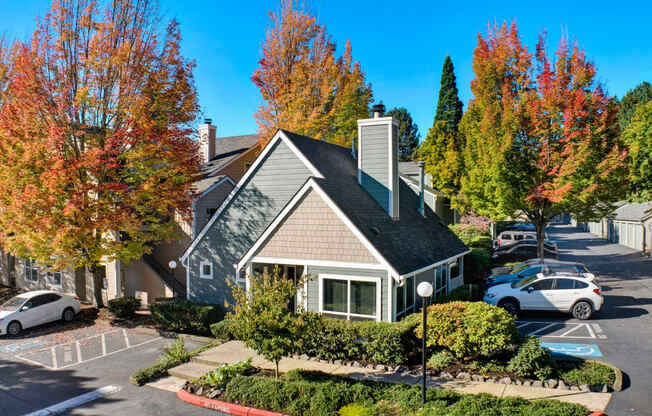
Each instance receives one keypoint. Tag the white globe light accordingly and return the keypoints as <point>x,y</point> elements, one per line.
<point>172,264</point>
<point>424,289</point>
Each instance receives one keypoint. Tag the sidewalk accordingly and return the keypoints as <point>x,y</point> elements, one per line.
<point>234,351</point>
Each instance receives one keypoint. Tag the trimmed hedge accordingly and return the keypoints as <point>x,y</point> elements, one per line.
<point>317,394</point>
<point>469,329</point>
<point>476,265</point>
<point>371,341</point>
<point>124,308</point>
<point>186,316</point>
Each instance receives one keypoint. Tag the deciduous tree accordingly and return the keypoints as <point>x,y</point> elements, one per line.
<point>96,153</point>
<point>541,136</point>
<point>638,138</point>
<point>408,133</point>
<point>305,87</point>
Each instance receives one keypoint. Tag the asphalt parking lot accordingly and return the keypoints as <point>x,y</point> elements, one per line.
<point>622,330</point>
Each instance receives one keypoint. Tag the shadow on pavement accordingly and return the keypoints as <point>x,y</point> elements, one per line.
<point>26,388</point>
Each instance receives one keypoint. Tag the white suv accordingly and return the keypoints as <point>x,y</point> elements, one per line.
<point>565,293</point>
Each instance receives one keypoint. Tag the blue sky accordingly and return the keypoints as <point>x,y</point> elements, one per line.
<point>400,45</point>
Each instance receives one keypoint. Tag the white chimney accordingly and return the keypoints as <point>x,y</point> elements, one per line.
<point>207,135</point>
<point>378,159</point>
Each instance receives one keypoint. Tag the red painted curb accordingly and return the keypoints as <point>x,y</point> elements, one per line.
<point>224,407</point>
<point>598,414</point>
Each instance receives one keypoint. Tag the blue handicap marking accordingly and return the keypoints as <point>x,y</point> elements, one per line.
<point>20,346</point>
<point>576,350</point>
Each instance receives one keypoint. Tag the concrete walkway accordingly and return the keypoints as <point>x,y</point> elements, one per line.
<point>234,351</point>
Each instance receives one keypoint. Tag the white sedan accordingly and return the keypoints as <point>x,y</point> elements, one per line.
<point>35,308</point>
<point>563,293</point>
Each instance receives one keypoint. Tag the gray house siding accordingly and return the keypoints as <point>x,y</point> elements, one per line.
<point>246,216</point>
<point>395,179</point>
<point>211,201</point>
<point>313,285</point>
<point>375,170</point>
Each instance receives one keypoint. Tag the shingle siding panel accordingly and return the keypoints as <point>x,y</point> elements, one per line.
<point>247,215</point>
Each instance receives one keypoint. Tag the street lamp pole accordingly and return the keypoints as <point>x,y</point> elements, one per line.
<point>425,291</point>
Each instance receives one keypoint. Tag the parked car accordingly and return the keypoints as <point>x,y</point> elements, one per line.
<point>565,293</point>
<point>520,226</point>
<point>531,267</point>
<point>35,308</point>
<point>511,237</point>
<point>523,250</point>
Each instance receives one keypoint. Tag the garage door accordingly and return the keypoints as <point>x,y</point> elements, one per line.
<point>628,234</point>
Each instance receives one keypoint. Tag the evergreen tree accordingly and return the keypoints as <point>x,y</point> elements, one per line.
<point>449,106</point>
<point>638,138</point>
<point>408,133</point>
<point>640,95</point>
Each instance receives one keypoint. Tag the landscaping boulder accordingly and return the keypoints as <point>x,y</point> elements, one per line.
<point>476,377</point>
<point>537,383</point>
<point>575,388</point>
<point>585,387</point>
<point>552,383</point>
<point>605,389</point>
<point>562,385</point>
<point>527,383</point>
<point>463,376</point>
<point>505,380</point>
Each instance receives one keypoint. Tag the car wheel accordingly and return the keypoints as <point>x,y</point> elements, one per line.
<point>582,310</point>
<point>510,306</point>
<point>14,328</point>
<point>68,314</point>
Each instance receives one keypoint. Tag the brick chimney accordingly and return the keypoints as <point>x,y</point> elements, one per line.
<point>378,159</point>
<point>207,134</point>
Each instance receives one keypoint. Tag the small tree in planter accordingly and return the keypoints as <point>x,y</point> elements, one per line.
<point>262,318</point>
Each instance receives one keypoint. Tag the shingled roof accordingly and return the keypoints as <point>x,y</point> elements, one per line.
<point>633,211</point>
<point>229,148</point>
<point>408,244</point>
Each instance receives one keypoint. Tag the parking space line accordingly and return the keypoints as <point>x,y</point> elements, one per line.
<point>54,358</point>
<point>77,401</point>
<point>541,329</point>
<point>124,332</point>
<point>590,331</point>
<point>79,356</point>
<point>522,325</point>
<point>578,326</point>
<point>103,344</point>
<point>111,353</point>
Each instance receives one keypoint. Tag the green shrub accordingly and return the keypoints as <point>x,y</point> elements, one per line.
<point>441,360</point>
<point>336,339</point>
<point>223,374</point>
<point>466,293</point>
<point>468,233</point>
<point>357,409</point>
<point>476,265</point>
<point>186,316</point>
<point>124,308</point>
<point>310,394</point>
<point>469,328</point>
<point>532,360</point>
<point>590,373</point>
<point>221,330</point>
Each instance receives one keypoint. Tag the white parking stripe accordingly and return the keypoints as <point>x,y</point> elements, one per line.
<point>69,404</point>
<point>111,353</point>
<point>541,329</point>
<point>79,357</point>
<point>124,332</point>
<point>522,325</point>
<point>590,331</point>
<point>571,330</point>
<point>103,344</point>
<point>54,358</point>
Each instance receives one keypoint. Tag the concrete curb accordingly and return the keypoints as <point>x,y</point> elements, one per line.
<point>224,407</point>
<point>196,338</point>
<point>618,383</point>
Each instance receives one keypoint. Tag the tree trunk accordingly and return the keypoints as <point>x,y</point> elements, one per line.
<point>98,280</point>
<point>276,370</point>
<point>11,270</point>
<point>541,236</point>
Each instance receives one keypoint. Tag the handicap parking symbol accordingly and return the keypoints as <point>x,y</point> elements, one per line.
<point>575,350</point>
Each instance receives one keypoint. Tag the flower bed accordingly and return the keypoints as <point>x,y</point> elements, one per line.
<point>313,393</point>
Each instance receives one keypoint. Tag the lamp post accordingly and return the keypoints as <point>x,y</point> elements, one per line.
<point>425,291</point>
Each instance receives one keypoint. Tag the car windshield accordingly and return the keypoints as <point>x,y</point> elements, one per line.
<point>526,281</point>
<point>520,266</point>
<point>13,303</point>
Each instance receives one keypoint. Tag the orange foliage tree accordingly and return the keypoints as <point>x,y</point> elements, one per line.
<point>96,147</point>
<point>306,89</point>
<point>541,135</point>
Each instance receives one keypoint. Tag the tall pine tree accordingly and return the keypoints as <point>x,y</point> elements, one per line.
<point>449,106</point>
<point>640,95</point>
<point>442,147</point>
<point>408,133</point>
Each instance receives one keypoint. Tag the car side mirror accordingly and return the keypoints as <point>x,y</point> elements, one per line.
<point>24,308</point>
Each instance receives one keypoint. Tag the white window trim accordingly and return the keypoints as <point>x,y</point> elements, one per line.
<point>406,309</point>
<point>350,279</point>
<point>201,269</point>
<point>49,282</point>
<point>31,267</point>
